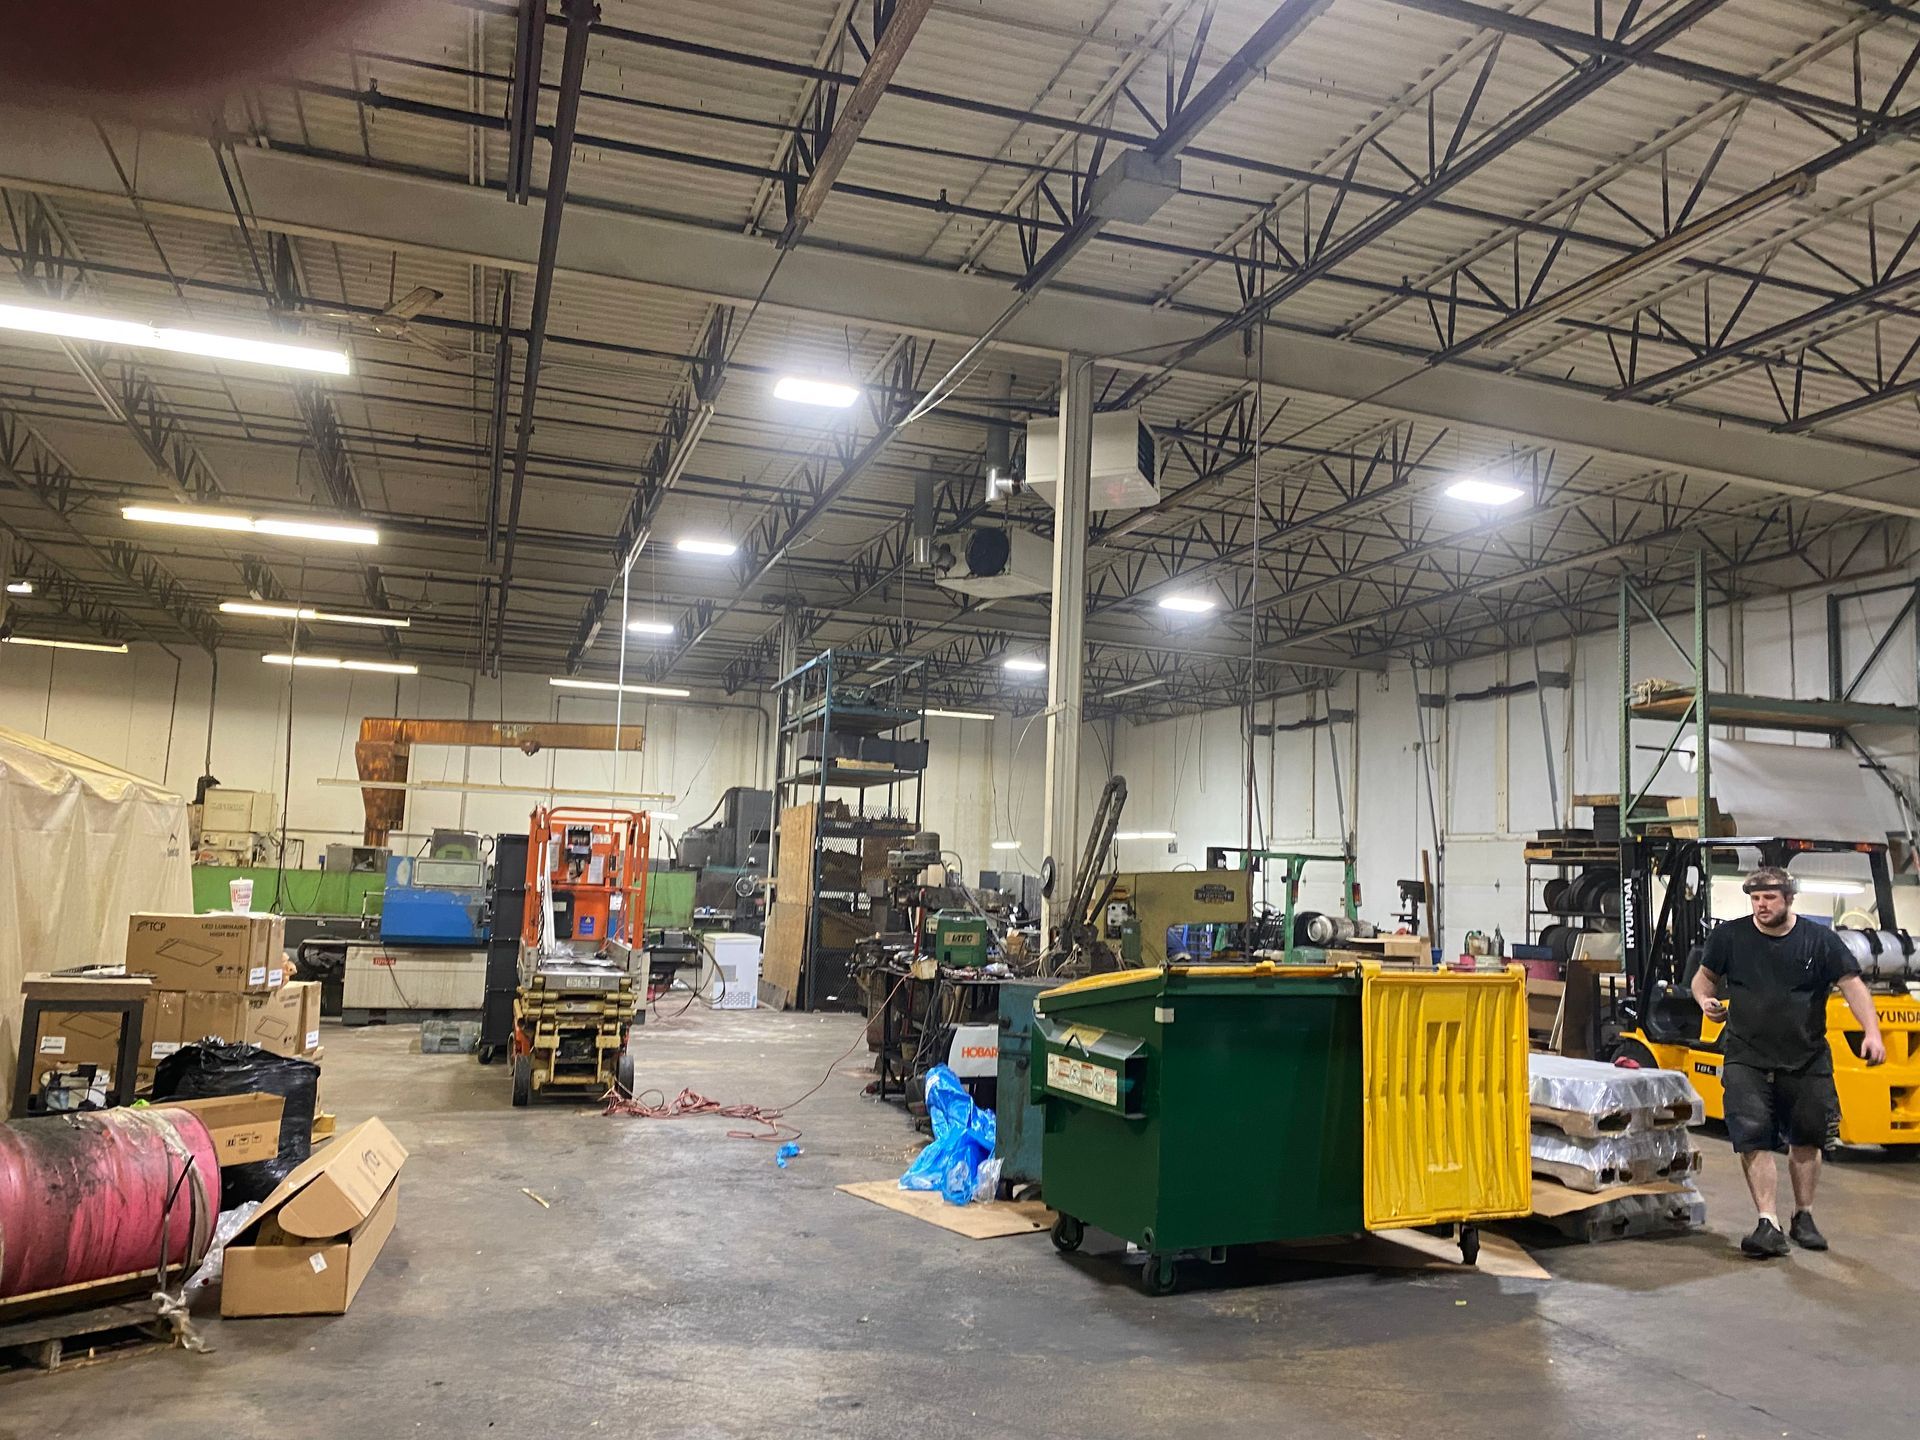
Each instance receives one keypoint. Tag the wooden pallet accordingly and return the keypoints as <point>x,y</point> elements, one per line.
<point>67,1340</point>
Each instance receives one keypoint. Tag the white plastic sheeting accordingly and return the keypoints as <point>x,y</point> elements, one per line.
<point>1774,789</point>
<point>1596,1163</point>
<point>82,846</point>
<point>1592,1098</point>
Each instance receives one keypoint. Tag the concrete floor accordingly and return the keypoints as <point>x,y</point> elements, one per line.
<point>682,1285</point>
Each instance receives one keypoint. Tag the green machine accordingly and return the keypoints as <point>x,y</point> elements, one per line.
<point>1292,865</point>
<point>959,939</point>
<point>1192,1108</point>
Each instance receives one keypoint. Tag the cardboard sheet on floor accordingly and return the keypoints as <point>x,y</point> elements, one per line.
<point>987,1220</point>
<point>1500,1255</point>
<point>1552,1199</point>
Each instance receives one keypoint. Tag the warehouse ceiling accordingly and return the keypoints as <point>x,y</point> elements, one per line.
<point>1654,264</point>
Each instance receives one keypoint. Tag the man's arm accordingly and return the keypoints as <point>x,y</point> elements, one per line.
<point>1705,987</point>
<point>1859,1000</point>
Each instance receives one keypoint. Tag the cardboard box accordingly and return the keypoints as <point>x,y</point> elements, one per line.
<point>271,1021</point>
<point>314,1239</point>
<point>234,953</point>
<point>276,1021</point>
<point>71,1038</point>
<point>309,993</point>
<point>1687,808</point>
<point>244,1128</point>
<point>166,1027</point>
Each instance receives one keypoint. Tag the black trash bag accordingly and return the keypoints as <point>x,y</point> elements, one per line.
<point>209,1068</point>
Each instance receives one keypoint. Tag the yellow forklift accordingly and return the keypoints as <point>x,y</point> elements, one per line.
<point>1658,1022</point>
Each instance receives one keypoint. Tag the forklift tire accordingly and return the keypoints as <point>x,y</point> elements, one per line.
<point>1640,1055</point>
<point>1067,1234</point>
<point>522,1079</point>
<point>623,1077</point>
<point>1159,1275</point>
<point>1469,1244</point>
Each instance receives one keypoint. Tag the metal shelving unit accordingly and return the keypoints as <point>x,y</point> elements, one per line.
<point>843,701</point>
<point>1695,706</point>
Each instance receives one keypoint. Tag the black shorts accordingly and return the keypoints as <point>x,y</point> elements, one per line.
<point>1768,1108</point>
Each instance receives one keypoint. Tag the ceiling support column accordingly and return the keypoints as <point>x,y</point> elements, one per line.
<point>1065,697</point>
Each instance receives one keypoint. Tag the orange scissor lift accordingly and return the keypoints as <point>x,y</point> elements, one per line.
<point>587,894</point>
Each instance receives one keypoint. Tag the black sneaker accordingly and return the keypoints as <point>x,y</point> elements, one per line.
<point>1766,1242</point>
<point>1805,1233</point>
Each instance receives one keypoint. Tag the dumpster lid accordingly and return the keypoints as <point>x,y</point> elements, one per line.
<point>1151,979</point>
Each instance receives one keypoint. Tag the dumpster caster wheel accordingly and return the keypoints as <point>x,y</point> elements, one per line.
<point>1067,1234</point>
<point>1157,1275</point>
<point>1469,1244</point>
<point>522,1079</point>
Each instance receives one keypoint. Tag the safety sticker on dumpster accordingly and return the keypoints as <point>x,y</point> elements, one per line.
<point>1077,1077</point>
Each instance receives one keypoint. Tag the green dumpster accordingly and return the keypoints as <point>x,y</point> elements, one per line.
<point>1192,1108</point>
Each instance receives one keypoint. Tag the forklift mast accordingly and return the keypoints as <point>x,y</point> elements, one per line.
<point>1657,948</point>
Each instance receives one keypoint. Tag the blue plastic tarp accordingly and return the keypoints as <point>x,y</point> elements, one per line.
<point>962,1137</point>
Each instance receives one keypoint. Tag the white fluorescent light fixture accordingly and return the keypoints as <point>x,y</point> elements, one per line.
<point>194,518</point>
<point>318,530</point>
<point>20,587</point>
<point>1006,845</point>
<point>1483,492</point>
<point>1188,604</point>
<point>1144,835</point>
<point>1830,887</point>
<point>66,644</point>
<point>1026,665</point>
<point>803,391</point>
<point>957,714</point>
<point>567,683</point>
<point>303,612</point>
<point>650,627</point>
<point>695,546</point>
<point>100,330</point>
<point>334,662</point>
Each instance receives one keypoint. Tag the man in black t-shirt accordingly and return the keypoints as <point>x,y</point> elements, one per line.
<point>1778,1071</point>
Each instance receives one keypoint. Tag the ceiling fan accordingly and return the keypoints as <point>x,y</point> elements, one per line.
<point>396,321</point>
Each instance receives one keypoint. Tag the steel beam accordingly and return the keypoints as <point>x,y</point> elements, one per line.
<point>39,473</point>
<point>892,35</point>
<point>1567,41</point>
<point>356,204</point>
<point>581,15</point>
<point>1556,100</point>
<point>1260,49</point>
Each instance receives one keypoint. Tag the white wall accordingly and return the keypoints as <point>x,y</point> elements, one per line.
<point>1489,759</point>
<point>123,709</point>
<point>984,782</point>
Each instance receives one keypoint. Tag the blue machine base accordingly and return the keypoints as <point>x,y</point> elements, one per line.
<point>433,917</point>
